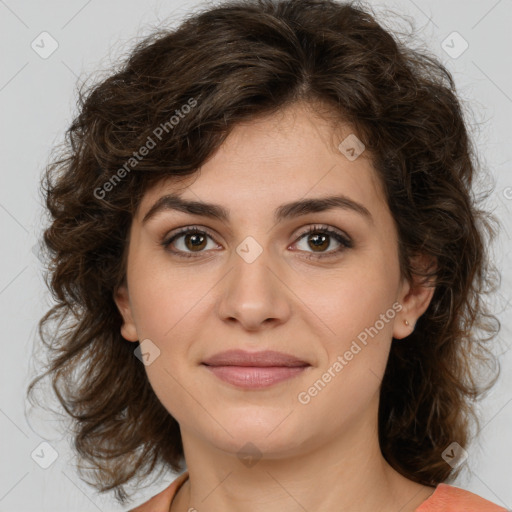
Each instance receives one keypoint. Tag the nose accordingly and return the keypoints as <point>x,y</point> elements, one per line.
<point>255,295</point>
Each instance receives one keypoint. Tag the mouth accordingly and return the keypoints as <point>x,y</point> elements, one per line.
<point>254,370</point>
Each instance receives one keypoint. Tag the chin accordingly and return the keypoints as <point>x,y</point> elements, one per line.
<point>265,433</point>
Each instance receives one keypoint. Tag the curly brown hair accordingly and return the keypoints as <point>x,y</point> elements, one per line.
<point>229,64</point>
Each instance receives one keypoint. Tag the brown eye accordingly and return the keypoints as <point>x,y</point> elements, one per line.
<point>319,239</point>
<point>194,241</point>
<point>187,241</point>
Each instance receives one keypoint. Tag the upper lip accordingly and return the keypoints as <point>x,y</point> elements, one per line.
<point>264,359</point>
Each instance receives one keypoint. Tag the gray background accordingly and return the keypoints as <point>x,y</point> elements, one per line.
<point>37,101</point>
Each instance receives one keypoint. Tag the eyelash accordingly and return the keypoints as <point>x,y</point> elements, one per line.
<point>345,242</point>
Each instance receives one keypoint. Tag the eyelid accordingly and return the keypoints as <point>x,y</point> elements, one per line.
<point>312,228</point>
<point>175,233</point>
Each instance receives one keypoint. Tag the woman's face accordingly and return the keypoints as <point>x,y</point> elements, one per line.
<point>257,281</point>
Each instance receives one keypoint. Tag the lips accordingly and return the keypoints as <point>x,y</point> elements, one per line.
<point>266,358</point>
<point>254,370</point>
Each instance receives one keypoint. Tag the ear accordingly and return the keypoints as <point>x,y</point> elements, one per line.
<point>122,300</point>
<point>414,297</point>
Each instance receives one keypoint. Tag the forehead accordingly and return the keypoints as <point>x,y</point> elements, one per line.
<point>275,159</point>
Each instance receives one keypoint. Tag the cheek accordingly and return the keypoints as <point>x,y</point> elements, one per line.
<point>359,310</point>
<point>352,299</point>
<point>165,299</point>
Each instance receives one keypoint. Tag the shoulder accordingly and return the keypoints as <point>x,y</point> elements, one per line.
<point>448,498</point>
<point>161,502</point>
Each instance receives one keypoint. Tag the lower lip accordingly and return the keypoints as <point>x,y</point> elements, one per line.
<point>255,377</point>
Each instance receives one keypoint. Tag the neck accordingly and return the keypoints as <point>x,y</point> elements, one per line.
<point>345,473</point>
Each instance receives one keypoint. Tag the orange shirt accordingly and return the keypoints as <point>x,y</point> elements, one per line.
<point>446,498</point>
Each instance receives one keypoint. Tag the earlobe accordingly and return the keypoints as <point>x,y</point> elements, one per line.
<point>415,299</point>
<point>128,329</point>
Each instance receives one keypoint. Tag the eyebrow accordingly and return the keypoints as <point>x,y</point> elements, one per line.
<point>283,212</point>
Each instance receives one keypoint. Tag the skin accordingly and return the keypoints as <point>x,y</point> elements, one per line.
<point>323,455</point>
